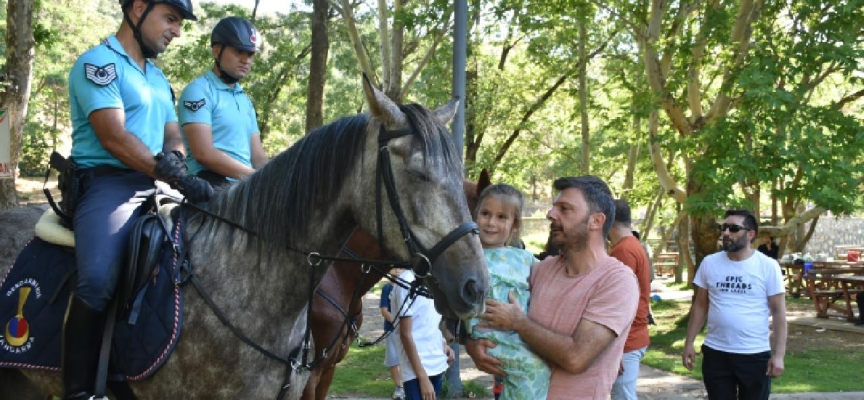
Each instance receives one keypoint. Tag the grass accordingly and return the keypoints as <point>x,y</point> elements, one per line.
<point>362,373</point>
<point>807,370</point>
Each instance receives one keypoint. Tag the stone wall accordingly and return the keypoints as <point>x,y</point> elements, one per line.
<point>831,232</point>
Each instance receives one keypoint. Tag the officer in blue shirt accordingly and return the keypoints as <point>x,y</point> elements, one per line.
<point>122,110</point>
<point>218,118</point>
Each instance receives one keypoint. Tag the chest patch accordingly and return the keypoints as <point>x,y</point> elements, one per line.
<point>194,105</point>
<point>100,75</point>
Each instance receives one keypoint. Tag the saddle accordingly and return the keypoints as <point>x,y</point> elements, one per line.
<point>147,319</point>
<point>149,234</point>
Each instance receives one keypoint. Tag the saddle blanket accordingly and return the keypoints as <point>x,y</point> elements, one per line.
<point>34,296</point>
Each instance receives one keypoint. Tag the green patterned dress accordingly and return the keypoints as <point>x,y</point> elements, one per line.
<point>527,374</point>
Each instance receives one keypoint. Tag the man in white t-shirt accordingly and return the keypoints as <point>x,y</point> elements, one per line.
<point>737,289</point>
<point>423,354</point>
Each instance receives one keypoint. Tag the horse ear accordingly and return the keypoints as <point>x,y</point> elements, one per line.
<point>483,181</point>
<point>381,107</point>
<point>447,111</point>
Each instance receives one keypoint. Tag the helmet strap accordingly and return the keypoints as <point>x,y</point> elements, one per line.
<point>147,52</point>
<point>225,77</point>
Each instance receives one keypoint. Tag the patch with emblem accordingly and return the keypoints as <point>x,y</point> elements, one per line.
<point>100,75</point>
<point>194,105</point>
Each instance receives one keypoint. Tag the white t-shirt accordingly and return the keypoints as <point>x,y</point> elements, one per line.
<point>738,294</point>
<point>424,329</point>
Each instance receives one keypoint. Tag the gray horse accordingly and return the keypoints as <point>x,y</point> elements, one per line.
<point>309,199</point>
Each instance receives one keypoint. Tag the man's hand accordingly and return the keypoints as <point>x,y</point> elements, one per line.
<point>502,316</point>
<point>482,360</point>
<point>688,358</point>
<point>775,366</point>
<point>170,167</point>
<point>194,189</point>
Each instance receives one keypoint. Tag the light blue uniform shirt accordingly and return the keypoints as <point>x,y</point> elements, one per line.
<point>106,77</point>
<point>228,111</point>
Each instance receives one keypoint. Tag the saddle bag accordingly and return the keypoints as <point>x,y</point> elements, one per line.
<point>146,242</point>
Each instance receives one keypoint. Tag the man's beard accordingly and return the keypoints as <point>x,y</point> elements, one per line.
<point>575,240</point>
<point>732,245</point>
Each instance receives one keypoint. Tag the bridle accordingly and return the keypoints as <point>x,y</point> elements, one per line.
<point>420,261</point>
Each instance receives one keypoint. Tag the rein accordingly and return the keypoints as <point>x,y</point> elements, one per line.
<point>421,261</point>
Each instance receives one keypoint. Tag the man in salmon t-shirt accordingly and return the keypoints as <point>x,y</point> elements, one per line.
<point>627,249</point>
<point>582,302</point>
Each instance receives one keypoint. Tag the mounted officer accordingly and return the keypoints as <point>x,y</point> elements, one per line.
<point>217,116</point>
<point>125,136</point>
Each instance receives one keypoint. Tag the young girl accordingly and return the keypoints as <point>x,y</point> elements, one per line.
<point>499,217</point>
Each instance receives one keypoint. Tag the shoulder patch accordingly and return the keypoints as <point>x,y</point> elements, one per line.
<point>194,105</point>
<point>100,75</point>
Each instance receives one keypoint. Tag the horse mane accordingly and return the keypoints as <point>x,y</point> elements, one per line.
<point>276,201</point>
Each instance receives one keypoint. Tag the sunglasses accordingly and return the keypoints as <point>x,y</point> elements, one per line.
<point>732,228</point>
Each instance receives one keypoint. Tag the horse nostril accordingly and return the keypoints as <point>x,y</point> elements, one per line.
<point>472,293</point>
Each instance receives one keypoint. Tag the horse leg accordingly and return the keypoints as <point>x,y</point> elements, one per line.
<point>324,382</point>
<point>311,384</point>
<point>14,385</point>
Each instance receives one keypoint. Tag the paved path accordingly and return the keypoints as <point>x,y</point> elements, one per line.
<point>653,384</point>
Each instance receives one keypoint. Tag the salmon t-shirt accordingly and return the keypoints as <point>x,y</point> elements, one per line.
<point>606,295</point>
<point>629,251</point>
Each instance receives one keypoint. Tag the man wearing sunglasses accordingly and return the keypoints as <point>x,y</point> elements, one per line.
<point>737,289</point>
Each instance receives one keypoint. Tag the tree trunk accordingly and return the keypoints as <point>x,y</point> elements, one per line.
<point>317,66</point>
<point>703,228</point>
<point>16,86</point>
<point>583,99</point>
<point>396,40</point>
<point>684,257</point>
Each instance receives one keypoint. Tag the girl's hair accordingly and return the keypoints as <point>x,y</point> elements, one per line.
<point>511,195</point>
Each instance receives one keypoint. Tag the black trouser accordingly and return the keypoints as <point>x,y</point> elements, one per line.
<point>735,376</point>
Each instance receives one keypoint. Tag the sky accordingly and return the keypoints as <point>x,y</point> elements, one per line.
<point>265,7</point>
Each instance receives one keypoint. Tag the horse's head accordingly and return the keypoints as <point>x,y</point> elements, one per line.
<point>412,168</point>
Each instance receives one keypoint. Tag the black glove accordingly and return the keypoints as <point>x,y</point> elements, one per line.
<point>195,189</point>
<point>170,167</point>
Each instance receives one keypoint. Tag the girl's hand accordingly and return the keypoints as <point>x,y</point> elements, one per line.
<point>426,389</point>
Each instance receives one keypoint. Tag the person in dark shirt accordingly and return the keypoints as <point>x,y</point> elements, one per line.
<point>769,247</point>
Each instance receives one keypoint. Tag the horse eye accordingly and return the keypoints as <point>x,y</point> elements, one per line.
<point>419,175</point>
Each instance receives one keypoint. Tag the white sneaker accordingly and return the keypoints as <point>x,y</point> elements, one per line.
<point>399,393</point>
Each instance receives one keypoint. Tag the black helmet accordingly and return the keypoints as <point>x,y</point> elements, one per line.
<point>237,33</point>
<point>185,6</point>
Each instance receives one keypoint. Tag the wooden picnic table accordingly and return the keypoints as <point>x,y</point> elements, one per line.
<point>851,285</point>
<point>794,272</point>
<point>666,261</point>
<point>827,286</point>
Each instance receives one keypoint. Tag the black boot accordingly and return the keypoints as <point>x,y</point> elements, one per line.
<point>82,336</point>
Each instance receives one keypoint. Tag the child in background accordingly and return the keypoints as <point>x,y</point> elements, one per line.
<point>499,217</point>
<point>391,358</point>
<point>423,355</point>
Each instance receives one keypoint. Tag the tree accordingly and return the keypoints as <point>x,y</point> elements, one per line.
<point>317,65</point>
<point>16,83</point>
<point>737,82</point>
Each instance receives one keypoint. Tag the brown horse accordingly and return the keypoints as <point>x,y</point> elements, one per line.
<point>339,299</point>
